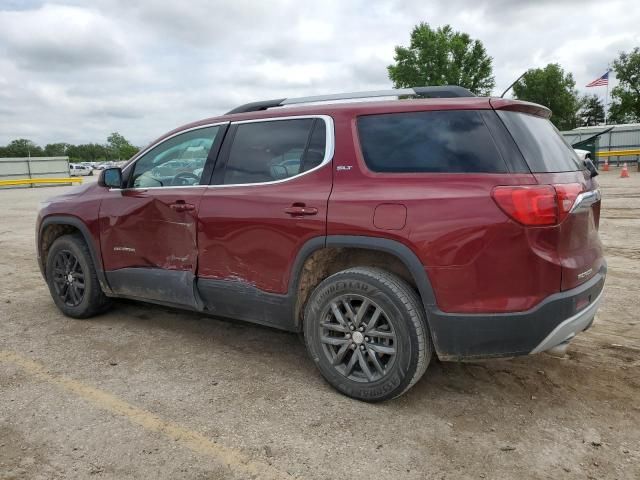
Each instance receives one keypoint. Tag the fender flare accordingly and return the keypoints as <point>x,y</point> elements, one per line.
<point>84,230</point>
<point>393,247</point>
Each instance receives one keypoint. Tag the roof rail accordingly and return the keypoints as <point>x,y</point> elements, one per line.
<point>445,91</point>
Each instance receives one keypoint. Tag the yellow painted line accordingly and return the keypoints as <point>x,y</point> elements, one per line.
<point>237,461</point>
<point>28,181</point>
<point>615,153</point>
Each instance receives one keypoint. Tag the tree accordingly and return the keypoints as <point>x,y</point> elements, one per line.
<point>56,149</point>
<point>552,87</point>
<point>88,152</point>
<point>442,57</point>
<point>120,147</point>
<point>625,104</point>
<point>22,147</point>
<point>591,112</point>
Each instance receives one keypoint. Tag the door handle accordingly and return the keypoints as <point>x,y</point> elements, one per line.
<point>182,206</point>
<point>300,210</point>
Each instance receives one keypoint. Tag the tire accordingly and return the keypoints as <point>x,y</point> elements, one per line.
<point>87,301</point>
<point>392,350</point>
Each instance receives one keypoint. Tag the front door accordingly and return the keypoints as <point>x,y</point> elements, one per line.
<point>148,230</point>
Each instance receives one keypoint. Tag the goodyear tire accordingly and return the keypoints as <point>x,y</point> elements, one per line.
<point>366,331</point>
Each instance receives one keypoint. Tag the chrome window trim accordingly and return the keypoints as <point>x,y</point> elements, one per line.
<point>328,153</point>
<point>158,143</point>
<point>329,148</point>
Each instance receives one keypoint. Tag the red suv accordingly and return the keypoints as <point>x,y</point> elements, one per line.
<point>385,231</point>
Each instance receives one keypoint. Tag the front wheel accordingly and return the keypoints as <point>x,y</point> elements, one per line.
<point>366,331</point>
<point>72,278</point>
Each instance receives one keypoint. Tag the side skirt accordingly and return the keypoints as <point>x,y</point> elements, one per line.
<point>167,287</point>
<point>243,301</point>
<point>224,298</point>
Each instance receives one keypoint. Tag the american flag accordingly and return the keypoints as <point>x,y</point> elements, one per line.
<point>600,81</point>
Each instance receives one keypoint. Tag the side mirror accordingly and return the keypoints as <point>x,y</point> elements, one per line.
<point>110,178</point>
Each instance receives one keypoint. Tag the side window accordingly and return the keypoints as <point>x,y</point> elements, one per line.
<point>271,150</point>
<point>178,161</point>
<point>456,141</point>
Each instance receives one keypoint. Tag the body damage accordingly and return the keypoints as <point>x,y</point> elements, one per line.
<point>240,250</point>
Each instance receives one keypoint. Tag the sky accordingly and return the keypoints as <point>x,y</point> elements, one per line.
<point>74,71</point>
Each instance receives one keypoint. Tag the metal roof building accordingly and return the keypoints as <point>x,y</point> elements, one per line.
<point>621,143</point>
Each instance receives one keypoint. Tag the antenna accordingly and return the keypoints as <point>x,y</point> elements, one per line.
<point>509,87</point>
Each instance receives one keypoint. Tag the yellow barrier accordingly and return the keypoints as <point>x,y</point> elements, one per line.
<point>29,181</point>
<point>616,153</point>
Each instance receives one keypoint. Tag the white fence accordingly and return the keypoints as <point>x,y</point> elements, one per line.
<point>13,169</point>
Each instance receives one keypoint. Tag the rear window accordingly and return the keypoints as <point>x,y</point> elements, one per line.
<point>541,144</point>
<point>441,141</point>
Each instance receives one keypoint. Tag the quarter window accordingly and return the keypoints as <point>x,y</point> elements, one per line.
<point>178,161</point>
<point>439,141</point>
<point>274,150</point>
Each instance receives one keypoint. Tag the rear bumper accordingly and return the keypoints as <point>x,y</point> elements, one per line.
<point>554,321</point>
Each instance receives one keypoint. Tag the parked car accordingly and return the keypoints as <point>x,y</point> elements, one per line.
<point>77,170</point>
<point>582,154</point>
<point>386,232</point>
<point>102,166</point>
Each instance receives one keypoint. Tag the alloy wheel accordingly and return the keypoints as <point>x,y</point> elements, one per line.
<point>358,338</point>
<point>68,278</point>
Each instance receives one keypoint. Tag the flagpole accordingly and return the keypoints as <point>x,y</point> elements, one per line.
<point>606,104</point>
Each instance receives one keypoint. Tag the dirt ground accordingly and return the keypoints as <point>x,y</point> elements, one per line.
<point>149,392</point>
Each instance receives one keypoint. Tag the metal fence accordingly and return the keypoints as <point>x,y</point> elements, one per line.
<point>621,144</point>
<point>16,172</point>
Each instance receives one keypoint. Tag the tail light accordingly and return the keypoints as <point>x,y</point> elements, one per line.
<point>537,205</point>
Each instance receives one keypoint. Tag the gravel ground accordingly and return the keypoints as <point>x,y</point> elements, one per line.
<point>150,392</point>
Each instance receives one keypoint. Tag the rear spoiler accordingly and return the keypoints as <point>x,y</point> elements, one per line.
<point>520,106</point>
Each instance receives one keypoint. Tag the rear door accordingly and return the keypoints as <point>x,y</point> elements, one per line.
<point>554,162</point>
<point>268,198</point>
<point>148,230</point>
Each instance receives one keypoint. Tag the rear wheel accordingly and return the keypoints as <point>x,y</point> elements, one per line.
<point>72,278</point>
<point>365,329</point>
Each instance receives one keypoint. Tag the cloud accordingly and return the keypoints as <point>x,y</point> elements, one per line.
<point>56,37</point>
<point>74,71</point>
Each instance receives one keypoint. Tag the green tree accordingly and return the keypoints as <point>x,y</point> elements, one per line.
<point>591,112</point>
<point>88,152</point>
<point>625,104</point>
<point>56,149</point>
<point>22,147</point>
<point>120,147</point>
<point>552,87</point>
<point>442,57</point>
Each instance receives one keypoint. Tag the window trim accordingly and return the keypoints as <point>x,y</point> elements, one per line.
<point>328,152</point>
<point>127,168</point>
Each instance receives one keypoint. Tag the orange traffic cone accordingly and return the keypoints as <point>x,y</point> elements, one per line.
<point>606,165</point>
<point>625,171</point>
